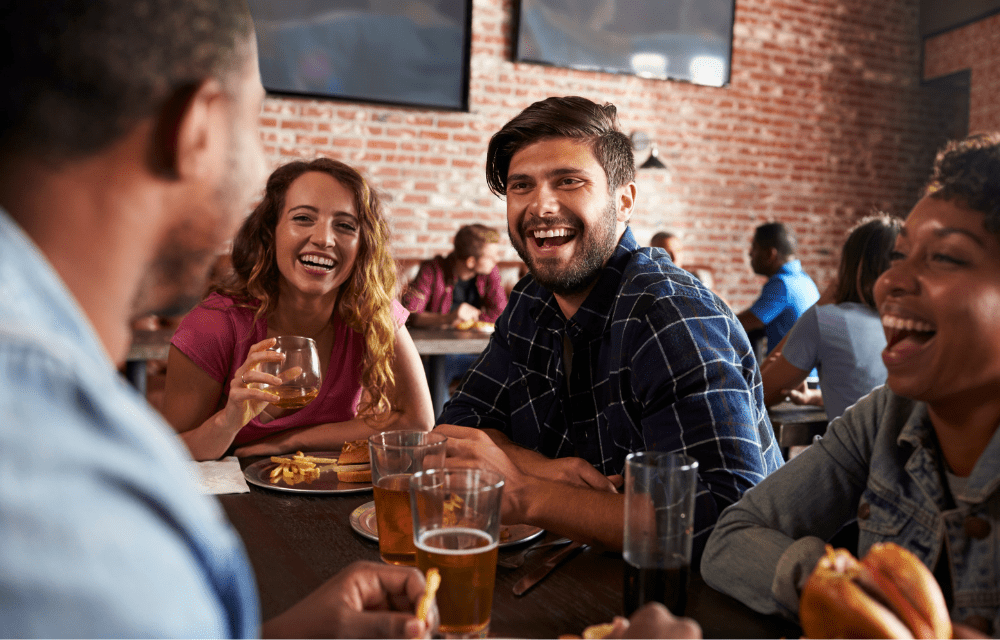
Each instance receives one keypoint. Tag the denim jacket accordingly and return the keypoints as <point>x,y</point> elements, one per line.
<point>879,463</point>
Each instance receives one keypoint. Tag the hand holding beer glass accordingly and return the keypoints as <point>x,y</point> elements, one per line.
<point>456,528</point>
<point>296,389</point>
<point>659,527</point>
<point>395,456</point>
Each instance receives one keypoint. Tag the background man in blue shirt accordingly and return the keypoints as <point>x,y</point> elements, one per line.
<point>605,348</point>
<point>129,150</point>
<point>788,291</point>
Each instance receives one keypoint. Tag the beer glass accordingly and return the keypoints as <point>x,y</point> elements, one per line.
<point>456,528</point>
<point>659,526</point>
<point>298,391</point>
<point>397,455</point>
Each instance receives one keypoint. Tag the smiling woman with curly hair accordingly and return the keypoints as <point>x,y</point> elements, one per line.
<point>311,260</point>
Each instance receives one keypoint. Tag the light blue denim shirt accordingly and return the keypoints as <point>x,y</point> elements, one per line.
<point>880,463</point>
<point>102,530</point>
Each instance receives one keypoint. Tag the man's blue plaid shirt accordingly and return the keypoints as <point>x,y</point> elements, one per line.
<point>660,363</point>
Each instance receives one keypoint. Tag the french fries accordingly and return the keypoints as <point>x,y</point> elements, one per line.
<point>302,468</point>
<point>454,502</point>
<point>424,605</point>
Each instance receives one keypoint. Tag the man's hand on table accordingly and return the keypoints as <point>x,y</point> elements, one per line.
<point>575,471</point>
<point>545,502</point>
<point>472,449</point>
<point>365,600</point>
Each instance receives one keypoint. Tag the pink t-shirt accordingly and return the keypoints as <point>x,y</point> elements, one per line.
<point>217,335</point>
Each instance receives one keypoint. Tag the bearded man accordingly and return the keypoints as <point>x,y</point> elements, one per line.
<point>605,348</point>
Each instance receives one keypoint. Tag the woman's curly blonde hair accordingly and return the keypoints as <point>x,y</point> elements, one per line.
<point>364,301</point>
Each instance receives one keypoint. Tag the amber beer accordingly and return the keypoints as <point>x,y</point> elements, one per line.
<point>395,524</point>
<point>467,560</point>
<point>396,456</point>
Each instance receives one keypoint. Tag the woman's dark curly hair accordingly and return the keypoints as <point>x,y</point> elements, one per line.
<point>968,171</point>
<point>364,301</point>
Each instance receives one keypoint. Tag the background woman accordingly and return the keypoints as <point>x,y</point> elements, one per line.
<point>916,461</point>
<point>841,335</point>
<point>311,260</point>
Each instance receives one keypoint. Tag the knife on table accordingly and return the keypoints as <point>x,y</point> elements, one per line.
<point>538,574</point>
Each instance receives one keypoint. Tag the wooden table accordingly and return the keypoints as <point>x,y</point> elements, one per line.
<point>297,541</point>
<point>796,425</point>
<point>435,344</point>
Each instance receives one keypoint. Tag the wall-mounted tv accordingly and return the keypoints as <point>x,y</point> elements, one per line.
<point>406,52</point>
<point>687,40</point>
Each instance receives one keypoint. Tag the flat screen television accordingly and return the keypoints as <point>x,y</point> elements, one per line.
<point>688,40</point>
<point>406,52</point>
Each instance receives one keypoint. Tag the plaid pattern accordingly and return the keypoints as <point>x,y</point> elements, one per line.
<point>659,363</point>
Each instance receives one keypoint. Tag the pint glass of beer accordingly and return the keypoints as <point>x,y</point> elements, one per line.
<point>397,455</point>
<point>456,528</point>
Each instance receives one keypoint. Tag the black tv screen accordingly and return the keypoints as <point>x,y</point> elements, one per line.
<point>687,40</point>
<point>408,52</point>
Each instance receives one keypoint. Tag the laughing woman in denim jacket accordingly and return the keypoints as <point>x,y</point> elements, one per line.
<point>916,462</point>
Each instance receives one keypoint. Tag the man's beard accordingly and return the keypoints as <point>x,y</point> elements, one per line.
<point>595,248</point>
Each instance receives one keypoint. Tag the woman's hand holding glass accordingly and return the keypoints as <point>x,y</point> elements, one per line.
<point>299,372</point>
<point>247,397</point>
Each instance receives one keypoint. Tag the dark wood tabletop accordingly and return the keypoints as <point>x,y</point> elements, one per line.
<point>297,541</point>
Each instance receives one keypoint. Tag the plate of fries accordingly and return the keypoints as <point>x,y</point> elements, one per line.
<point>303,473</point>
<point>364,523</point>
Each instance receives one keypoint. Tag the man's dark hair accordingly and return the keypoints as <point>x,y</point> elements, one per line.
<point>775,235</point>
<point>471,240</point>
<point>569,117</point>
<point>79,74</point>
<point>968,171</point>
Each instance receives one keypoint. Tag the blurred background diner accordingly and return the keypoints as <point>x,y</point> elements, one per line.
<point>840,336</point>
<point>462,290</point>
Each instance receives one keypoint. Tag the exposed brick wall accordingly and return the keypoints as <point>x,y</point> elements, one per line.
<point>975,47</point>
<point>821,123</point>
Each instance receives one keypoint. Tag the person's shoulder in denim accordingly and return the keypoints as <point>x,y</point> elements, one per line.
<point>102,530</point>
<point>878,463</point>
<point>659,363</point>
<point>433,288</point>
<point>784,297</point>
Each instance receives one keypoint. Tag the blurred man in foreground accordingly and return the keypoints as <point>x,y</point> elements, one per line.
<point>129,152</point>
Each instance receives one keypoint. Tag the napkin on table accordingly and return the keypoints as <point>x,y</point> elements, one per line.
<point>216,477</point>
